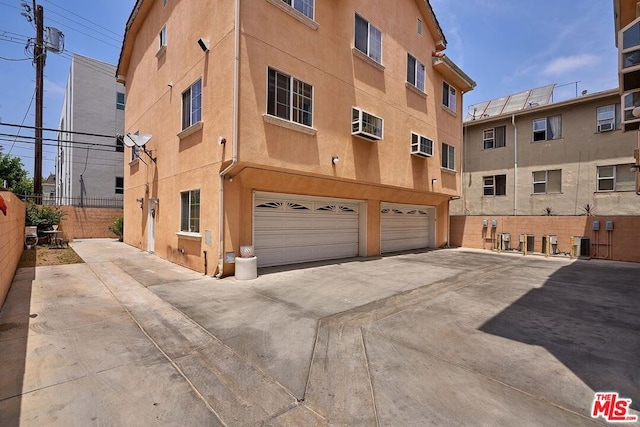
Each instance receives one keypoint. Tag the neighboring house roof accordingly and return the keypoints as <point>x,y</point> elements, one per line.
<point>469,120</point>
<point>51,179</point>
<point>142,7</point>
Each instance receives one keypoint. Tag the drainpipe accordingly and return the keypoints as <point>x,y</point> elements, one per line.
<point>234,138</point>
<point>515,165</point>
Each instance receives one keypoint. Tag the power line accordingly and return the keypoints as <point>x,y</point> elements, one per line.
<point>23,119</point>
<point>81,17</point>
<point>83,33</point>
<point>85,26</point>
<point>59,140</point>
<point>14,59</point>
<point>57,130</point>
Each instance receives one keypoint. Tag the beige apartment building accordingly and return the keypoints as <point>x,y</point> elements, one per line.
<point>308,130</point>
<point>527,155</point>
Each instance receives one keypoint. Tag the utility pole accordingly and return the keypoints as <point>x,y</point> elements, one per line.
<point>39,59</point>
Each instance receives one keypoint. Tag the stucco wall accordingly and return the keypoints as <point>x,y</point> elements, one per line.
<point>467,231</point>
<point>11,240</point>
<point>86,223</point>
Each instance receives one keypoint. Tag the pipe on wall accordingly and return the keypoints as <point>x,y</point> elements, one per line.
<point>515,165</point>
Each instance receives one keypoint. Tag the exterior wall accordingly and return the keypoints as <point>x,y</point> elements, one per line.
<point>578,154</point>
<point>86,223</point>
<point>11,240</point>
<point>90,107</point>
<point>467,231</point>
<point>275,156</point>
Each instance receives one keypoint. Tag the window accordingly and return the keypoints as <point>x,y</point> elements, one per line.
<point>119,144</point>
<point>421,146</point>
<point>368,39</point>
<point>419,26</point>
<point>119,185</point>
<point>120,101</point>
<point>366,125</point>
<point>162,37</point>
<point>289,98</point>
<point>449,96</point>
<point>190,211</point>
<point>415,72</point>
<point>192,105</point>
<point>448,156</point>
<point>631,45</point>
<point>494,185</point>
<point>616,178</point>
<point>303,6</point>
<point>135,153</point>
<point>164,2</point>
<point>545,182</point>
<point>608,118</point>
<point>547,129</point>
<point>494,137</point>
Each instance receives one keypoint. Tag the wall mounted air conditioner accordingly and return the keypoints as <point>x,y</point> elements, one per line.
<point>581,246</point>
<point>605,127</point>
<point>366,125</point>
<point>504,240</point>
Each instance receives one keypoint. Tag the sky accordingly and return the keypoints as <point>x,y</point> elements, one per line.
<point>506,46</point>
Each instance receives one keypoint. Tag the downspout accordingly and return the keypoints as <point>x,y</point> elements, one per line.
<point>234,138</point>
<point>515,165</point>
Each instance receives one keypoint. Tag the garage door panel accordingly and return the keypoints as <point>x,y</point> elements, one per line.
<point>403,227</point>
<point>288,231</point>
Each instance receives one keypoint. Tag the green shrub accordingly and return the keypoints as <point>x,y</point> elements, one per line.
<point>44,217</point>
<point>117,227</point>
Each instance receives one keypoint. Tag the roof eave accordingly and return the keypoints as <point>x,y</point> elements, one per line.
<point>453,73</point>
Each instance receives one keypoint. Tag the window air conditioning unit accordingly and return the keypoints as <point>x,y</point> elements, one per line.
<point>605,127</point>
<point>581,246</point>
<point>366,125</point>
<point>504,240</point>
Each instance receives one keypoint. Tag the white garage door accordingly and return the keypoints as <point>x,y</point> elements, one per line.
<point>404,227</point>
<point>293,229</point>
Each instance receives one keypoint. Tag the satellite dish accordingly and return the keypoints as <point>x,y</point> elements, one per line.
<point>636,112</point>
<point>128,140</point>
<point>141,140</point>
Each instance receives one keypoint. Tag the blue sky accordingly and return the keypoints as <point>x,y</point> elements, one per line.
<point>506,46</point>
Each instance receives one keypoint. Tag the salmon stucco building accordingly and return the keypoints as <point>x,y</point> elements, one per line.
<point>310,130</point>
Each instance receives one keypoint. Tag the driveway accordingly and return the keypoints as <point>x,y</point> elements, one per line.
<point>449,337</point>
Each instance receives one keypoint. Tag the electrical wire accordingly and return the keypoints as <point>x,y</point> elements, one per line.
<point>14,59</point>
<point>58,130</point>
<point>23,119</point>
<point>81,17</point>
<point>31,140</point>
<point>84,26</point>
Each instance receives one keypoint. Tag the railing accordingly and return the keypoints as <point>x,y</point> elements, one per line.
<point>84,201</point>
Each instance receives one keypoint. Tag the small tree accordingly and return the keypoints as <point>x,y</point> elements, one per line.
<point>117,227</point>
<point>44,217</point>
<point>12,170</point>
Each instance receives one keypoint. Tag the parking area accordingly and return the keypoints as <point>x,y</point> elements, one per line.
<point>448,337</point>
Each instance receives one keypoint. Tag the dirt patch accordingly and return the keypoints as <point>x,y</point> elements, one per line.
<point>42,256</point>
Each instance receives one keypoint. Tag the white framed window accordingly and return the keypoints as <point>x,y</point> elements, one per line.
<point>289,98</point>
<point>449,96</point>
<point>494,137</point>
<point>547,129</point>
<point>545,182</point>
<point>448,156</point>
<point>421,145</point>
<point>190,211</point>
<point>305,7</point>
<point>135,153</point>
<point>162,37</point>
<point>616,178</point>
<point>419,26</point>
<point>415,72</point>
<point>608,118</point>
<point>119,185</point>
<point>495,185</point>
<point>366,125</point>
<point>368,39</point>
<point>192,105</point>
<point>120,101</point>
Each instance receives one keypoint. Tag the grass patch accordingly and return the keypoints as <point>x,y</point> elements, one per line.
<point>42,256</point>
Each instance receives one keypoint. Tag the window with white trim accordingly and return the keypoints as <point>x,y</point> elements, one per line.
<point>190,211</point>
<point>119,185</point>
<point>368,39</point>
<point>366,125</point>
<point>494,137</point>
<point>545,182</point>
<point>419,26</point>
<point>415,72</point>
<point>448,156</point>
<point>303,6</point>
<point>616,178</point>
<point>162,37</point>
<point>289,98</point>
<point>192,105</point>
<point>495,185</point>
<point>135,153</point>
<point>449,96</point>
<point>547,129</point>
<point>608,118</point>
<point>421,145</point>
<point>120,101</point>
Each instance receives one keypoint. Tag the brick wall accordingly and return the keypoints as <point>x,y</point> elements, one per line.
<point>621,244</point>
<point>11,240</point>
<point>85,223</point>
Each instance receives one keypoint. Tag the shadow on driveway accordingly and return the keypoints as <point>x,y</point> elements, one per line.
<point>587,319</point>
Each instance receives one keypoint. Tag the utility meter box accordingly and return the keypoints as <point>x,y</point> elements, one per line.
<point>608,225</point>
<point>494,223</point>
<point>596,225</point>
<point>485,223</point>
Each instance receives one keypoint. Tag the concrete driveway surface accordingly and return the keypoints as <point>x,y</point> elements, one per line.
<point>449,337</point>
